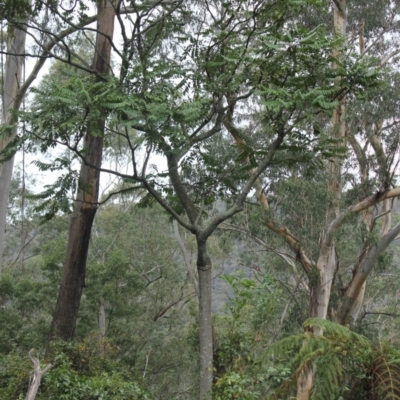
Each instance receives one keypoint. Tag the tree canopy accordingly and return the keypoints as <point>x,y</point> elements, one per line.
<point>251,136</point>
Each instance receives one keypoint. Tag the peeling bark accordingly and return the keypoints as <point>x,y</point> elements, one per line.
<point>321,284</point>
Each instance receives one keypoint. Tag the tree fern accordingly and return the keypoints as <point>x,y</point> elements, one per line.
<point>385,373</point>
<point>347,365</point>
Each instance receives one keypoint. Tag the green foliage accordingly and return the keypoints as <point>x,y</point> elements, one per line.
<point>15,9</point>
<point>135,271</point>
<point>78,373</point>
<point>271,74</point>
<point>234,386</point>
<point>241,335</point>
<point>346,365</point>
<point>14,375</point>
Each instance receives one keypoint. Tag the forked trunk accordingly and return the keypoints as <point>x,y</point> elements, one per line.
<point>205,323</point>
<point>73,277</point>
<point>38,374</point>
<point>351,298</point>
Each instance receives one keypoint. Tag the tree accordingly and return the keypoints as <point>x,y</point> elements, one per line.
<point>322,267</point>
<point>73,279</point>
<point>10,87</point>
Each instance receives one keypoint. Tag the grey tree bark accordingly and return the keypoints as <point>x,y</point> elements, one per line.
<point>204,267</point>
<point>186,258</point>
<point>202,232</point>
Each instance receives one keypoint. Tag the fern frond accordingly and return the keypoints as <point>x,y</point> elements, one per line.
<point>385,376</point>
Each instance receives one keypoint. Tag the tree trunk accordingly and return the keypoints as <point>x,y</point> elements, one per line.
<point>321,285</point>
<point>351,297</point>
<point>38,374</point>
<point>11,84</point>
<point>73,277</point>
<point>304,384</point>
<point>205,323</point>
<point>321,277</point>
<point>186,258</point>
<point>101,319</point>
<point>5,183</point>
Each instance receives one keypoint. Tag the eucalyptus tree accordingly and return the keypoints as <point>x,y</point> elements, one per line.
<point>72,282</point>
<point>367,125</point>
<point>11,79</point>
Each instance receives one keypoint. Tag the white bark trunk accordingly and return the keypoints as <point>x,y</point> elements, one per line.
<point>355,312</point>
<point>319,301</point>
<point>326,267</point>
<point>351,296</point>
<point>38,374</point>
<point>386,225</point>
<point>5,183</point>
<point>12,80</point>
<point>11,84</point>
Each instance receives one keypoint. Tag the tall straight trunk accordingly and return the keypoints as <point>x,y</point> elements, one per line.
<point>5,183</point>
<point>74,269</point>
<point>101,320</point>
<point>205,323</point>
<point>321,277</point>
<point>12,81</point>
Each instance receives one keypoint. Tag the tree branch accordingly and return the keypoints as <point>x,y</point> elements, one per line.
<point>361,206</point>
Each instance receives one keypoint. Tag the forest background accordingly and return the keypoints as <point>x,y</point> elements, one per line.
<point>246,247</point>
